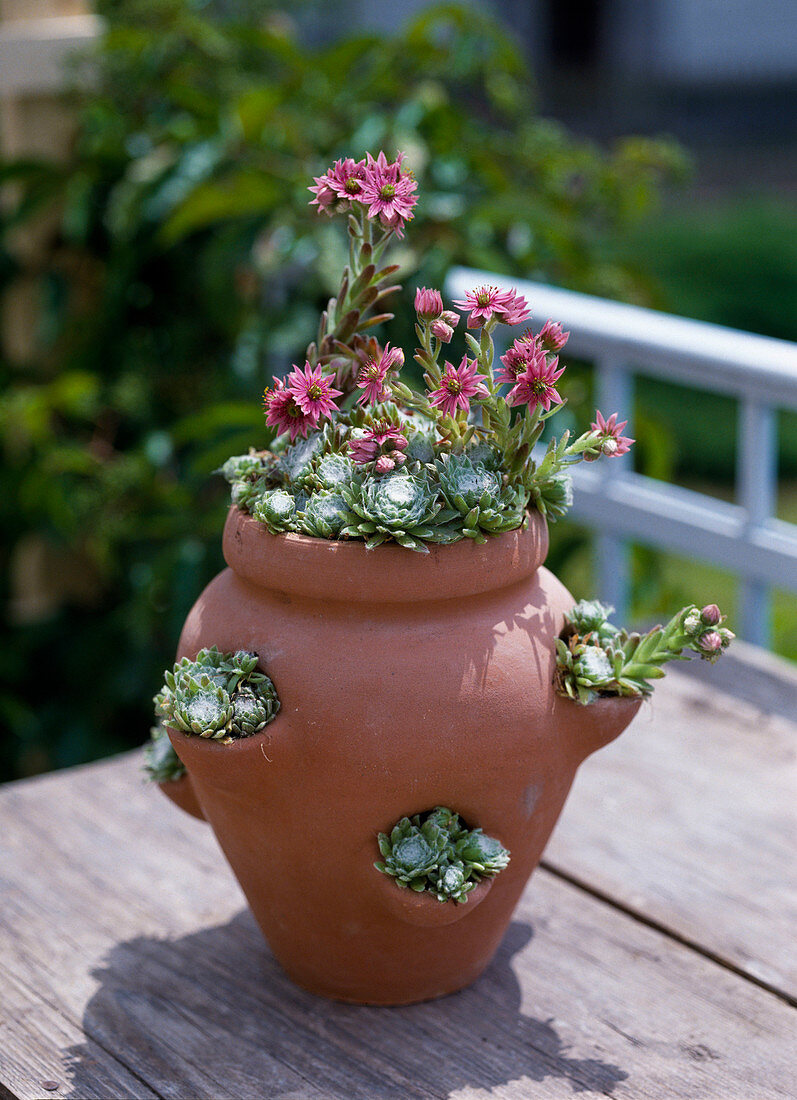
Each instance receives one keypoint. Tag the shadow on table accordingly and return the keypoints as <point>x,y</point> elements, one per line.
<point>212,1014</point>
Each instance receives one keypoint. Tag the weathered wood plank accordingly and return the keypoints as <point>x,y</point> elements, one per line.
<point>35,1044</point>
<point>120,916</point>
<point>690,819</point>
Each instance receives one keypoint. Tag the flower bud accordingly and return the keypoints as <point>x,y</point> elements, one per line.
<point>710,642</point>
<point>692,623</point>
<point>710,614</point>
<point>450,317</point>
<point>551,336</point>
<point>609,446</point>
<point>428,303</point>
<point>441,330</point>
<point>727,636</point>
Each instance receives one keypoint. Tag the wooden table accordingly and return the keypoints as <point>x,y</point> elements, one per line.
<point>651,956</point>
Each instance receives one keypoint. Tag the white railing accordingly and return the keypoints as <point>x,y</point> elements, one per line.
<point>761,373</point>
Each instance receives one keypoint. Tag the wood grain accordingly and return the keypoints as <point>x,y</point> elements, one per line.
<point>133,969</point>
<point>690,820</point>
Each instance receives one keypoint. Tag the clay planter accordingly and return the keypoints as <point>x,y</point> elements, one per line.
<point>407,681</point>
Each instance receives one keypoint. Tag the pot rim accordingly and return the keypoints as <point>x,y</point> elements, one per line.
<point>342,570</point>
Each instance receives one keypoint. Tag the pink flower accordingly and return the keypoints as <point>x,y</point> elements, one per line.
<point>611,443</point>
<point>710,642</point>
<point>385,463</point>
<point>522,352</point>
<point>487,301</point>
<point>551,337</point>
<point>284,414</point>
<point>344,180</point>
<point>514,309</point>
<point>313,393</point>
<point>711,615</point>
<point>374,371</point>
<point>325,194</point>
<point>441,330</point>
<point>457,387</point>
<point>388,192</point>
<point>482,302</point>
<point>383,444</point>
<point>536,384</point>
<point>428,303</point>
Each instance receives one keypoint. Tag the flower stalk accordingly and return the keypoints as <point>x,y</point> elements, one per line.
<point>594,658</point>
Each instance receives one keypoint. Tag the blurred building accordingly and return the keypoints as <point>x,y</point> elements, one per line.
<point>714,73</point>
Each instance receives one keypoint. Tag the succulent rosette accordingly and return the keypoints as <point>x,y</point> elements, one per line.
<point>436,852</point>
<point>401,507</point>
<point>325,515</point>
<point>276,508</point>
<point>222,696</point>
<point>487,507</point>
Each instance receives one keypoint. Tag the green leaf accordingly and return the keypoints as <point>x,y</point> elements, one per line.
<point>240,194</point>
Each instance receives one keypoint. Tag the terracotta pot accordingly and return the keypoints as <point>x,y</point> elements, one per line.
<point>407,681</point>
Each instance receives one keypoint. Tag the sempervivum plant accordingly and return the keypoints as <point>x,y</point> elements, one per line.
<point>595,658</point>
<point>344,419</point>
<point>438,853</point>
<point>486,505</point>
<point>276,508</point>
<point>223,696</point>
<point>399,506</point>
<point>325,515</point>
<point>161,762</point>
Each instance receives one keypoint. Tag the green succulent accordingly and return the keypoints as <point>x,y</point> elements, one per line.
<point>223,696</point>
<point>399,506</point>
<point>277,509</point>
<point>161,762</point>
<point>592,617</point>
<point>595,658</point>
<point>325,515</point>
<point>244,494</point>
<point>447,822</point>
<point>486,506</point>
<point>249,476</point>
<point>483,854</point>
<point>438,853</point>
<point>250,712</point>
<point>420,447</point>
<point>553,495</point>
<point>333,472</point>
<point>297,461</point>
<point>410,854</point>
<point>450,883</point>
<point>249,465</point>
<point>482,453</point>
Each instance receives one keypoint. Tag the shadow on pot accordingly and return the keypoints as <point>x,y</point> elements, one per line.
<point>212,1014</point>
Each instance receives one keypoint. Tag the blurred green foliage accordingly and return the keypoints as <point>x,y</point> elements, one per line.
<point>187,268</point>
<point>732,262</point>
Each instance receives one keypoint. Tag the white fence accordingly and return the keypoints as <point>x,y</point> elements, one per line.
<point>621,505</point>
